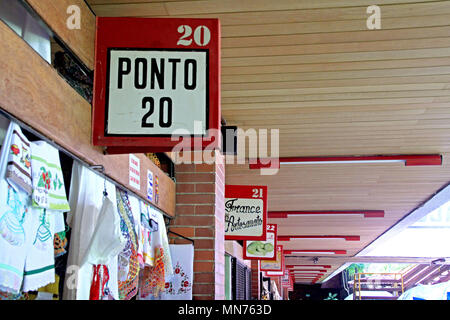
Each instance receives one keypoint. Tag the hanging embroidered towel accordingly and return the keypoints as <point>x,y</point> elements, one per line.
<point>40,261</point>
<point>179,285</point>
<point>86,203</point>
<point>128,273</point>
<point>149,227</point>
<point>107,241</point>
<point>18,171</point>
<point>160,240</point>
<point>16,225</point>
<point>153,279</point>
<point>47,178</point>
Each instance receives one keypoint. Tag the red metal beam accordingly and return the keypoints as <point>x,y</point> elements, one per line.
<point>291,237</point>
<point>366,213</point>
<point>410,160</point>
<point>308,265</point>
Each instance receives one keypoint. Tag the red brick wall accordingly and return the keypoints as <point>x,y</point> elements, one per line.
<point>255,279</point>
<point>200,215</point>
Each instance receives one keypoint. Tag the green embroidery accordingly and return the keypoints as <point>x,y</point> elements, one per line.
<point>11,223</point>
<point>31,272</point>
<point>43,233</point>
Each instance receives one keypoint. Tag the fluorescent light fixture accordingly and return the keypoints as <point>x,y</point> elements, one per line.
<point>365,213</point>
<point>327,237</point>
<point>340,162</point>
<point>318,252</point>
<point>408,160</point>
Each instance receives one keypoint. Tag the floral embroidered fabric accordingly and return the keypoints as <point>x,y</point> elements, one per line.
<point>47,178</point>
<point>18,171</point>
<point>128,258</point>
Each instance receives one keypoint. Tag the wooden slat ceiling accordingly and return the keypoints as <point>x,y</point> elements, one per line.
<point>312,70</point>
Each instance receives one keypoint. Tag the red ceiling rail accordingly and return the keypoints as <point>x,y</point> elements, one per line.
<point>365,213</point>
<point>291,237</point>
<point>325,266</point>
<point>287,252</point>
<point>409,160</point>
<point>302,270</point>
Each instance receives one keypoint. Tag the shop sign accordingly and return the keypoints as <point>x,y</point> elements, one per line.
<point>156,78</point>
<point>262,249</point>
<point>274,265</point>
<point>150,185</point>
<point>135,172</point>
<point>245,212</point>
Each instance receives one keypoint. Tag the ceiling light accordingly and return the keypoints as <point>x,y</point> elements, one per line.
<point>287,252</point>
<point>293,237</point>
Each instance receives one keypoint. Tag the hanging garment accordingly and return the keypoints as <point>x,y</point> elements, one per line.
<point>99,282</point>
<point>40,260</point>
<point>16,223</point>
<point>153,278</point>
<point>107,241</point>
<point>60,244</point>
<point>149,228</point>
<point>106,244</point>
<point>179,285</point>
<point>86,200</point>
<point>128,258</point>
<point>18,170</point>
<point>47,178</point>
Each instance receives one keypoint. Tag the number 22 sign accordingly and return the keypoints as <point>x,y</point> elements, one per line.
<point>155,79</point>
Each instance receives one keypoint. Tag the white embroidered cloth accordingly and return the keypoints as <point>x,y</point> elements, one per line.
<point>179,285</point>
<point>47,178</point>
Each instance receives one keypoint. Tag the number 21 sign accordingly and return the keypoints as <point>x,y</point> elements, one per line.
<point>245,212</point>
<point>156,80</point>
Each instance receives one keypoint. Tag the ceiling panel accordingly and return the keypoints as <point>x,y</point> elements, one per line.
<point>313,71</point>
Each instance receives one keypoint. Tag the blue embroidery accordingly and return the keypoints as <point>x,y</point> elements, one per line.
<point>11,223</point>
<point>43,233</point>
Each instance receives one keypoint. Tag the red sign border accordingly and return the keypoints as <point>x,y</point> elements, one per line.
<point>244,246</point>
<point>245,192</point>
<point>112,33</point>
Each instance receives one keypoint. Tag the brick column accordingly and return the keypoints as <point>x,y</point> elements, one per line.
<point>200,215</point>
<point>255,279</point>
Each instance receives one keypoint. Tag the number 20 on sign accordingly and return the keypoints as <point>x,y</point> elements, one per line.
<point>155,78</point>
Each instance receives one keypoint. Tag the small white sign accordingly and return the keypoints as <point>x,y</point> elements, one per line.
<point>150,185</point>
<point>244,217</point>
<point>135,172</point>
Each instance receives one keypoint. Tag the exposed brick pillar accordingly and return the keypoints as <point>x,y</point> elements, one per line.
<point>200,215</point>
<point>255,279</point>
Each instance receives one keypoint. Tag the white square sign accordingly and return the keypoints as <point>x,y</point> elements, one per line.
<point>157,92</point>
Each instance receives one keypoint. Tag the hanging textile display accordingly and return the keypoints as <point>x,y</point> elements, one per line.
<point>47,178</point>
<point>153,277</point>
<point>60,244</point>
<point>18,170</point>
<point>49,202</point>
<point>40,261</point>
<point>179,285</point>
<point>88,205</point>
<point>106,244</point>
<point>27,232</point>
<point>16,226</point>
<point>128,258</point>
